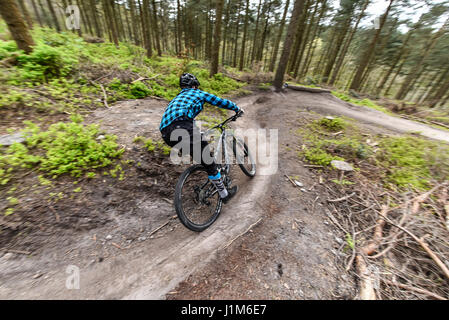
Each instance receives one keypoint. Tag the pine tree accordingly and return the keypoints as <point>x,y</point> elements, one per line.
<point>292,28</point>
<point>16,24</point>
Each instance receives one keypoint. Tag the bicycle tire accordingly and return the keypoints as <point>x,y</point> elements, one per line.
<point>250,173</point>
<point>179,206</point>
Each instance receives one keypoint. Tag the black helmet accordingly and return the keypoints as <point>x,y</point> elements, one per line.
<point>188,80</point>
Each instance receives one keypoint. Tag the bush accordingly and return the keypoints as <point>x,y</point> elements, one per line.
<point>66,147</point>
<point>45,63</point>
<point>139,90</point>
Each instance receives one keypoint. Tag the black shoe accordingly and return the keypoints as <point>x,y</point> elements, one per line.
<point>231,192</point>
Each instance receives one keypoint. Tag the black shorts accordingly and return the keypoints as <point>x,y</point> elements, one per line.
<point>195,139</point>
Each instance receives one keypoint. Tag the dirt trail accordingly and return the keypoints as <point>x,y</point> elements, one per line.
<point>327,103</point>
<point>155,266</point>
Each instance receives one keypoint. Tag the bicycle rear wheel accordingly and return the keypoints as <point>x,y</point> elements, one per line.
<point>197,201</point>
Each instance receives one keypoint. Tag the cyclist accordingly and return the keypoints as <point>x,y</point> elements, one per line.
<point>180,113</point>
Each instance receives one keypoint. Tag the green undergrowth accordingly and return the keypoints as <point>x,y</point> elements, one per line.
<point>65,73</point>
<point>154,146</point>
<point>332,138</point>
<point>361,102</point>
<point>64,148</point>
<point>404,161</point>
<point>413,161</point>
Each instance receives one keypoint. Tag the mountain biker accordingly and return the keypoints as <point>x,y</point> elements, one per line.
<point>180,113</point>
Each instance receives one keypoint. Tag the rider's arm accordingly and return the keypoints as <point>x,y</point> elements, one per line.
<point>219,102</point>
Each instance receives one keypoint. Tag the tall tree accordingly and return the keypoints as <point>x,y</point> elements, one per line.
<point>405,87</point>
<point>245,31</point>
<point>292,27</point>
<point>217,37</point>
<point>36,13</point>
<point>348,41</point>
<point>278,37</point>
<point>54,16</point>
<point>96,19</point>
<point>156,28</point>
<point>16,25</point>
<point>366,57</point>
<point>26,14</point>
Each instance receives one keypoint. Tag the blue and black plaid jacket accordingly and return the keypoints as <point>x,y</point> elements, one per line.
<point>189,103</point>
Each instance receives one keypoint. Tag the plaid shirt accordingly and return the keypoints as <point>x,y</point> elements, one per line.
<point>189,103</point>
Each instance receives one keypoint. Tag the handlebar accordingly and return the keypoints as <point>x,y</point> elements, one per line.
<point>233,118</point>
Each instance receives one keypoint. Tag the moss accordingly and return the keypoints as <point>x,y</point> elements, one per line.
<point>319,156</point>
<point>361,102</point>
<point>413,162</point>
<point>332,124</point>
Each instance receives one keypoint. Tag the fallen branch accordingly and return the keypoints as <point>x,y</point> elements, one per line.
<point>342,198</point>
<point>161,226</point>
<point>417,290</point>
<point>16,251</point>
<point>425,247</point>
<point>377,237</point>
<point>105,99</point>
<point>116,245</point>
<point>366,280</point>
<point>250,227</point>
<point>294,184</point>
<point>307,89</point>
<point>334,221</point>
<point>446,208</point>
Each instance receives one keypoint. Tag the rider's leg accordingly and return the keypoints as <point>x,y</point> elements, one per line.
<point>199,151</point>
<point>214,175</point>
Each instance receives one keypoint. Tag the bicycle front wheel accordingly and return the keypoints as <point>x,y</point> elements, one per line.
<point>197,201</point>
<point>244,158</point>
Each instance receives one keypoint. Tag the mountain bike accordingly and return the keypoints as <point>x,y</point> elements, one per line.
<point>197,201</point>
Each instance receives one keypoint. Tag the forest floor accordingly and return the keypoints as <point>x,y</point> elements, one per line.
<point>273,241</point>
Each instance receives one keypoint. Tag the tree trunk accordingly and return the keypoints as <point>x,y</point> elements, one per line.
<point>36,13</point>
<point>179,17</point>
<point>16,25</point>
<point>278,38</point>
<point>316,31</point>
<point>395,76</point>
<point>225,33</point>
<point>439,95</point>
<point>356,82</point>
<point>217,38</point>
<point>305,41</point>
<point>26,14</point>
<point>234,59</point>
<point>110,22</point>
<point>341,35</point>
<point>53,14</point>
<point>143,7</point>
<point>419,65</point>
<point>156,29</point>
<point>256,33</point>
<point>97,25</point>
<point>299,36</point>
<point>344,51</point>
<point>292,28</point>
<point>245,30</point>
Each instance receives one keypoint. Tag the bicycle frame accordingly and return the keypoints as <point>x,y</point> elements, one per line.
<point>222,143</point>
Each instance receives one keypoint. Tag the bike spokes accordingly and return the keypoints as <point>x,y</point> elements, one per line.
<point>199,198</point>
